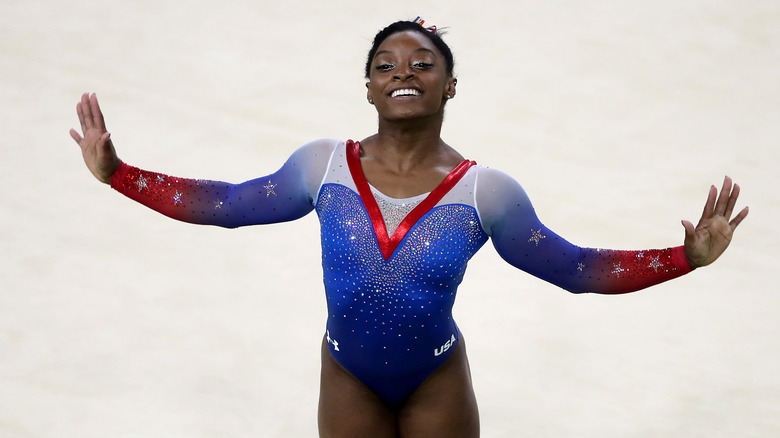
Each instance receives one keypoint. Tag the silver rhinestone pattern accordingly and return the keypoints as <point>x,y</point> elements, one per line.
<point>395,210</point>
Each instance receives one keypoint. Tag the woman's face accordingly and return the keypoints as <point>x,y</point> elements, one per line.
<point>408,77</point>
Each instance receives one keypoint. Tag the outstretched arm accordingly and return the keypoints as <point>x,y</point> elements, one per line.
<point>279,197</point>
<point>710,238</point>
<point>522,240</point>
<point>282,196</point>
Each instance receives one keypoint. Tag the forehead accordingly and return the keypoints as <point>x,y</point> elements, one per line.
<point>407,41</point>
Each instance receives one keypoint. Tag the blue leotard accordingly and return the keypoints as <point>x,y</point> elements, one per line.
<point>392,267</point>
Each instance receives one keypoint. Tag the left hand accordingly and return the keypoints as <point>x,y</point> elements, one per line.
<point>705,243</point>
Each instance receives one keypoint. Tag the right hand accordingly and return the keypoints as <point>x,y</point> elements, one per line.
<point>96,146</point>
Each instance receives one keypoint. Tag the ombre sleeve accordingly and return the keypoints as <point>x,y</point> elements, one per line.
<point>282,196</point>
<point>523,241</point>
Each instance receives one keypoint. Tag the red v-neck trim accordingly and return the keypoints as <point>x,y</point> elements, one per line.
<point>388,244</point>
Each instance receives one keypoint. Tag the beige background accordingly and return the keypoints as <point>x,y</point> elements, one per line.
<point>614,115</point>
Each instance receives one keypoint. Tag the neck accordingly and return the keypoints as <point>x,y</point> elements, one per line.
<point>409,140</point>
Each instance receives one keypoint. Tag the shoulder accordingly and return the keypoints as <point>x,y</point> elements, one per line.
<point>498,197</point>
<point>493,181</point>
<point>314,154</point>
<point>319,147</point>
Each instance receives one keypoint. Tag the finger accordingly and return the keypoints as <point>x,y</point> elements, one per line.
<point>87,111</point>
<point>690,232</point>
<point>732,201</point>
<point>690,237</point>
<point>710,204</point>
<point>738,219</point>
<point>103,141</point>
<point>725,193</point>
<point>80,113</point>
<point>97,114</point>
<point>75,136</point>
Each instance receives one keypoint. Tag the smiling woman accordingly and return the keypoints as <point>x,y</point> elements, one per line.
<point>409,77</point>
<point>401,214</point>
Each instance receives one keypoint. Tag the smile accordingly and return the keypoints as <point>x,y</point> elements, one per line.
<point>405,92</point>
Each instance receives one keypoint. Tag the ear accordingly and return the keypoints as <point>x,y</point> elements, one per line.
<point>450,89</point>
<point>368,93</point>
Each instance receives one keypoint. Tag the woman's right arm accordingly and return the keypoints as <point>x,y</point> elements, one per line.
<point>282,196</point>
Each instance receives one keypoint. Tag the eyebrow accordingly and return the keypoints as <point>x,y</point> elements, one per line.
<point>421,49</point>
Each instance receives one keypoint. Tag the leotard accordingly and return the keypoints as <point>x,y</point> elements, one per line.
<point>390,294</point>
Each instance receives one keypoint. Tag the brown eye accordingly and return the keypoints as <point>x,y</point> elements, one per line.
<point>385,67</point>
<point>422,65</point>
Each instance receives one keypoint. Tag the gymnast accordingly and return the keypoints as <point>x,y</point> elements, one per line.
<point>401,213</point>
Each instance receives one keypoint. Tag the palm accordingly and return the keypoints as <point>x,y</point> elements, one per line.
<point>712,235</point>
<point>96,146</point>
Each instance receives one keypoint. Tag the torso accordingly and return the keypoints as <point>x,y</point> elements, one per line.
<point>390,297</point>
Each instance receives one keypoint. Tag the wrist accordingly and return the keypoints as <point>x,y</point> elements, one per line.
<point>118,175</point>
<point>682,253</point>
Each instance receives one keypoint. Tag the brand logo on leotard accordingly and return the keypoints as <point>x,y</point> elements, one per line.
<point>331,341</point>
<point>445,347</point>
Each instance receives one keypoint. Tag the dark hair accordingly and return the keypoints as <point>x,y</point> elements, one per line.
<point>401,26</point>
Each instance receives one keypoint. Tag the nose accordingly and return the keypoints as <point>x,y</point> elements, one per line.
<point>404,72</point>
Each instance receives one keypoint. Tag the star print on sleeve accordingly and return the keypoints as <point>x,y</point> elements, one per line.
<point>536,236</point>
<point>209,202</point>
<point>655,263</point>
<point>282,196</point>
<point>614,271</point>
<point>142,183</point>
<point>270,189</point>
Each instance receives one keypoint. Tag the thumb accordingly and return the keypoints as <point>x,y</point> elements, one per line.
<point>690,243</point>
<point>104,143</point>
<point>690,231</point>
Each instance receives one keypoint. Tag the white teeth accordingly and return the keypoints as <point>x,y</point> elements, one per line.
<point>405,92</point>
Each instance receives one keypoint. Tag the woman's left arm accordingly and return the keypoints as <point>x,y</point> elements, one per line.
<point>710,238</point>
<point>522,240</point>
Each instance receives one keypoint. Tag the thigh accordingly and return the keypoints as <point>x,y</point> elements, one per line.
<point>348,408</point>
<point>444,405</point>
